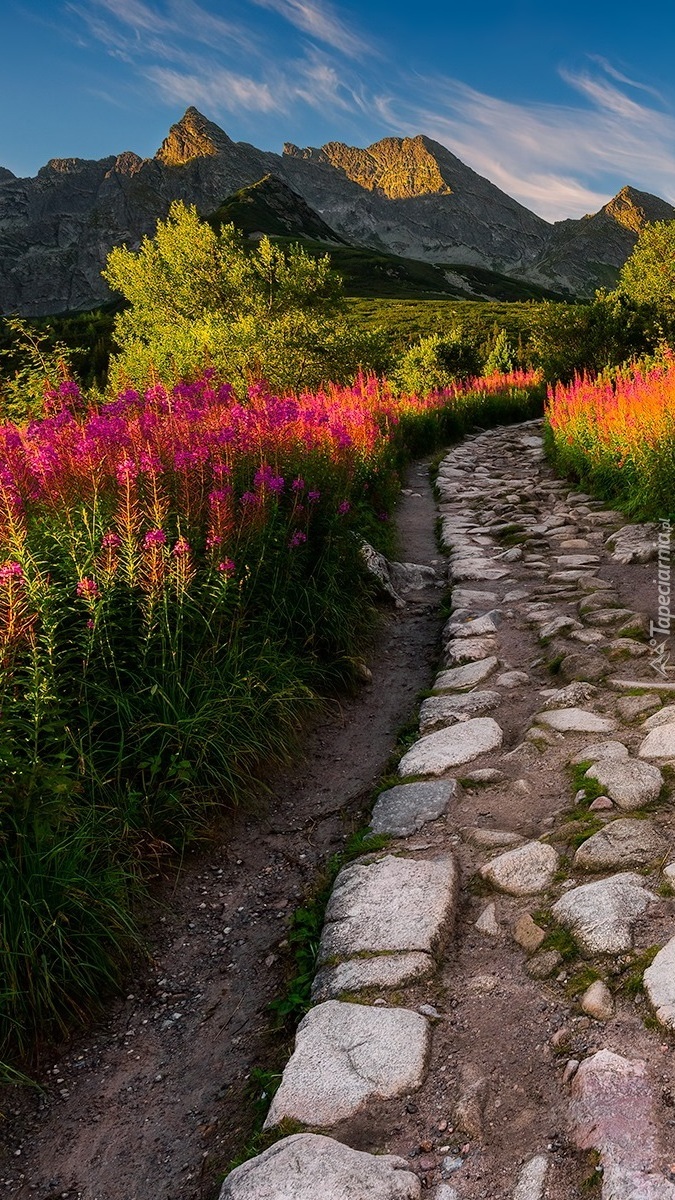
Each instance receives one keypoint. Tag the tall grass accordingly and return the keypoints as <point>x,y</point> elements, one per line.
<point>180,579</point>
<point>616,436</point>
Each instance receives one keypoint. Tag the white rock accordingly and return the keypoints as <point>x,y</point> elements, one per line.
<point>669,873</point>
<point>476,627</point>
<point>665,716</point>
<point>601,915</point>
<point>470,649</point>
<point>601,750</point>
<point>512,679</point>
<point>659,743</point>
<point>346,1055</point>
<point>487,921</point>
<point>411,577</point>
<point>559,626</point>
<point>597,1001</point>
<point>622,843</point>
<point>575,720</point>
<point>308,1166</point>
<point>437,711</point>
<point>571,694</point>
<point>460,679</point>
<point>477,568</point>
<point>403,810</point>
<point>438,752</point>
<point>522,872</point>
<point>395,904</point>
<point>532,1179</point>
<point>383,971</point>
<point>634,543</point>
<point>659,981</point>
<point>469,598</point>
<point>629,783</point>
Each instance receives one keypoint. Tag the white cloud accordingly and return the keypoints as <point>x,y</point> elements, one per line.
<point>320,22</point>
<point>218,89</point>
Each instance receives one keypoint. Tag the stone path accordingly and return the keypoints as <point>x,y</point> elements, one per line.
<point>495,998</point>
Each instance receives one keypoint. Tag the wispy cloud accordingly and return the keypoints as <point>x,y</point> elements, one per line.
<point>321,22</point>
<point>220,90</point>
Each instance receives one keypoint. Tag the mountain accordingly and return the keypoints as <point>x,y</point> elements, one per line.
<point>407,197</point>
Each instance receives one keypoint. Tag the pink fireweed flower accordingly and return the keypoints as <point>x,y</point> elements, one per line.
<point>344,507</point>
<point>298,484</point>
<point>87,589</point>
<point>90,624</point>
<point>110,541</point>
<point>126,471</point>
<point>213,540</point>
<point>297,539</point>
<point>181,548</point>
<point>314,497</point>
<point>226,567</point>
<point>11,571</point>
<point>155,537</point>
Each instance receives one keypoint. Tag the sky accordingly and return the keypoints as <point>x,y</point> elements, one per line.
<point>559,104</point>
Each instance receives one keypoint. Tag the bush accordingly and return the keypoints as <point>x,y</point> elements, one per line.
<point>435,363</point>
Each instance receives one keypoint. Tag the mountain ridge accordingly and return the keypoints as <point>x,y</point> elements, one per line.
<point>407,196</point>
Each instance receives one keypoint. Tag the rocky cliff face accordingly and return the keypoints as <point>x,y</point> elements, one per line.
<point>409,196</point>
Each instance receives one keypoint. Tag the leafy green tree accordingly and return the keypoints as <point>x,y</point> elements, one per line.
<point>502,356</point>
<point>434,362</point>
<point>648,276</point>
<point>198,297</point>
<point>34,364</point>
<point>570,339</point>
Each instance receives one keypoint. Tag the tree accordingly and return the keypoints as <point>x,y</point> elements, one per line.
<point>199,297</point>
<point>434,362</point>
<point>502,356</point>
<point>570,339</point>
<point>648,276</point>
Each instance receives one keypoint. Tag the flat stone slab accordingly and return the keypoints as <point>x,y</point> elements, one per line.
<point>345,1056</point>
<point>628,782</point>
<point>394,904</point>
<point>438,752</point>
<point>532,1179</point>
<point>622,843</point>
<point>634,543</point>
<point>469,649</point>
<point>460,679</point>
<point>477,569</point>
<point>613,1108</point>
<point>438,711</point>
<point>513,679</point>
<point>598,751</point>
<point>522,872</point>
<point>601,915</point>
<point>403,810</point>
<point>383,971</point>
<point>659,742</point>
<point>470,598</point>
<point>476,627</point>
<point>307,1166</point>
<point>665,716</point>
<point>659,982</point>
<point>575,720</point>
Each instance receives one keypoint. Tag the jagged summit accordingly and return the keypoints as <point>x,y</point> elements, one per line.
<point>194,136</point>
<point>270,206</point>
<point>633,209</point>
<point>398,168</point>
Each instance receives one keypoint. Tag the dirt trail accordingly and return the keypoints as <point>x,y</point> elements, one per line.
<point>148,1105</point>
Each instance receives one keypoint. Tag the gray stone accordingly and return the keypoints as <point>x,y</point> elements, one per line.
<point>476,627</point>
<point>571,561</point>
<point>487,921</point>
<point>622,843</point>
<point>558,627</point>
<point>460,679</point>
<point>470,1108</point>
<point>438,711</point>
<point>659,983</point>
<point>600,751</point>
<point>575,720</point>
<point>308,1166</point>
<point>410,577</point>
<point>589,667</point>
<point>629,783</point>
<point>597,1001</point>
<point>601,915</point>
<point>634,543</point>
<point>477,569</point>
<point>543,964</point>
<point>522,872</point>
<point>512,679</point>
<point>665,716</point>
<point>470,649</point>
<point>630,707</point>
<point>403,810</point>
<point>378,568</point>
<point>482,776</point>
<point>445,1192</point>
<point>469,598</point>
<point>438,752</point>
<point>392,905</point>
<point>383,971</point>
<point>345,1056</point>
<point>572,694</point>
<point>532,1179</point>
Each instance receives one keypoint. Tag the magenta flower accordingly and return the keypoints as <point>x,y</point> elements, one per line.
<point>155,537</point>
<point>227,567</point>
<point>344,507</point>
<point>314,497</point>
<point>11,570</point>
<point>181,548</point>
<point>87,589</point>
<point>298,485</point>
<point>111,541</point>
<point>297,539</point>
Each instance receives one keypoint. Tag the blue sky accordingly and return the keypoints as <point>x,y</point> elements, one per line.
<point>559,105</point>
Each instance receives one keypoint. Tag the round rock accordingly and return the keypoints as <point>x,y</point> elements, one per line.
<point>659,982</point>
<point>601,915</point>
<point>307,1166</point>
<point>622,843</point>
<point>524,871</point>
<point>629,783</point>
<point>659,743</point>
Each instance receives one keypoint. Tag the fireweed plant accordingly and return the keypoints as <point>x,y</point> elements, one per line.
<point>180,577</point>
<point>616,436</point>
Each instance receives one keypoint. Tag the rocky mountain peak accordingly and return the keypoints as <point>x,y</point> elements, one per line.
<point>396,167</point>
<point>192,137</point>
<point>633,209</point>
<point>6,175</point>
